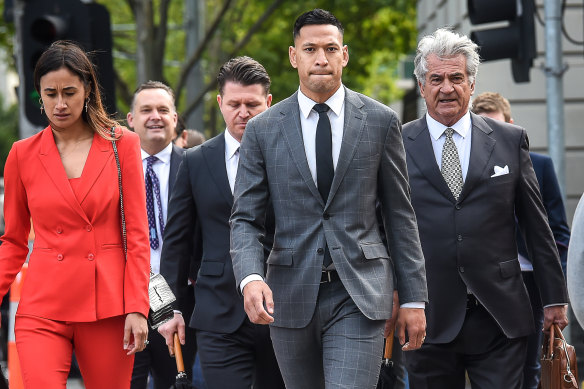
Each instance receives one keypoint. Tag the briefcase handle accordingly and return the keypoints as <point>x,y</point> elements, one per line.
<point>555,331</point>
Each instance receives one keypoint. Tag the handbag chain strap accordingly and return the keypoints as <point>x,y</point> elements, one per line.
<point>124,235</point>
<point>123,215</point>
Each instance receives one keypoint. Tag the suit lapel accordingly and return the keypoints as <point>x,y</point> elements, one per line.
<point>175,159</point>
<point>214,155</point>
<point>422,153</point>
<point>100,153</point>
<point>291,130</point>
<point>355,119</point>
<point>480,152</point>
<point>51,161</point>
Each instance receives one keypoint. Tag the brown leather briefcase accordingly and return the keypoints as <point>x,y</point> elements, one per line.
<point>558,362</point>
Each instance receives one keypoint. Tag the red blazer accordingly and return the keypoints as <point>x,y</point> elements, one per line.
<point>77,270</point>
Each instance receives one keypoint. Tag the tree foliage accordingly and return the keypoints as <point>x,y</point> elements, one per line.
<point>150,35</point>
<point>378,33</point>
<point>8,131</point>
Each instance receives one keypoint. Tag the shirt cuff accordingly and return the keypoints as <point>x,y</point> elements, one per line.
<point>248,279</point>
<point>415,304</point>
<point>556,305</point>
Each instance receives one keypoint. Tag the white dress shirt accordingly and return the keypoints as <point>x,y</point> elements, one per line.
<point>462,139</point>
<point>162,170</point>
<point>231,158</point>
<point>309,121</point>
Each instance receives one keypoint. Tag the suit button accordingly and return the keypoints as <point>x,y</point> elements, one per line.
<point>91,257</point>
<point>457,206</point>
<point>59,230</point>
<point>88,227</point>
<point>459,238</point>
<point>461,269</point>
<point>320,250</point>
<point>326,216</point>
<point>59,257</point>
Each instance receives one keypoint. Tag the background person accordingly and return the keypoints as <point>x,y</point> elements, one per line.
<point>188,138</point>
<point>234,352</point>
<point>495,106</point>
<point>81,291</point>
<point>153,117</point>
<point>329,282</point>
<point>471,178</point>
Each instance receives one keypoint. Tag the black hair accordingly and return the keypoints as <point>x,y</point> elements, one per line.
<point>316,17</point>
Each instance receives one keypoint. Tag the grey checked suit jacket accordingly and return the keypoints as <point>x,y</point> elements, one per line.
<point>371,168</point>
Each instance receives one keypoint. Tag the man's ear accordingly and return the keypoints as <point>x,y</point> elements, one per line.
<point>292,56</point>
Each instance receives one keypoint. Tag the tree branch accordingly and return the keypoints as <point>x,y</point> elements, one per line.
<point>160,32</point>
<point>199,52</point>
<point>256,26</point>
<point>123,90</point>
<point>240,45</point>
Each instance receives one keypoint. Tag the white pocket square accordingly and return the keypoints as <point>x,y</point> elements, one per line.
<point>500,171</point>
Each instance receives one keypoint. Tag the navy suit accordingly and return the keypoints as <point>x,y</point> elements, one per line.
<point>556,213</point>
<point>234,353</point>
<point>155,358</point>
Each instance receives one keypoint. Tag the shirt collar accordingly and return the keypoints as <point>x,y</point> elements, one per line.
<point>335,102</point>
<point>231,145</point>
<point>462,127</point>
<point>163,155</point>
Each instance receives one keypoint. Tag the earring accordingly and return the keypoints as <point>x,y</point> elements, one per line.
<point>86,101</point>
<point>42,105</point>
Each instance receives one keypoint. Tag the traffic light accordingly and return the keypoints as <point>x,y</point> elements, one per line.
<point>44,22</point>
<point>516,40</point>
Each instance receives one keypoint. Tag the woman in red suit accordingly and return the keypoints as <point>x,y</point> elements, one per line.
<point>81,291</point>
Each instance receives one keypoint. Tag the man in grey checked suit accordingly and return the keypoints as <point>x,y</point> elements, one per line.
<point>327,319</point>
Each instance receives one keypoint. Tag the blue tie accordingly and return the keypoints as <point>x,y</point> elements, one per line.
<point>153,188</point>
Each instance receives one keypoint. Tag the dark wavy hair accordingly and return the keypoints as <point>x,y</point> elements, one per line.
<point>245,71</point>
<point>67,54</point>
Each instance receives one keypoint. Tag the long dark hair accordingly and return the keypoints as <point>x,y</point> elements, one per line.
<point>67,54</point>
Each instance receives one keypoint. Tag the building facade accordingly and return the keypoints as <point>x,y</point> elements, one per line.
<point>528,100</point>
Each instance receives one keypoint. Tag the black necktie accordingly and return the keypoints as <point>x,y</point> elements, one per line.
<point>324,152</point>
<point>325,170</point>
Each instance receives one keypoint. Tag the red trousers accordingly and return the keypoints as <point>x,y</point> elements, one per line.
<point>45,348</point>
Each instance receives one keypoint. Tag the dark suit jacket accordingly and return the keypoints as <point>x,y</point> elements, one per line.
<point>202,196</point>
<point>554,206</point>
<point>470,243</point>
<point>175,160</point>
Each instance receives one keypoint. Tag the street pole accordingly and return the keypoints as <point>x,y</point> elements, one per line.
<point>194,22</point>
<point>554,70</point>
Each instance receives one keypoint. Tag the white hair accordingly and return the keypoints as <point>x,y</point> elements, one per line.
<point>446,43</point>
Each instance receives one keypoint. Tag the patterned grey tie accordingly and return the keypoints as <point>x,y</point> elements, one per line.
<point>451,170</point>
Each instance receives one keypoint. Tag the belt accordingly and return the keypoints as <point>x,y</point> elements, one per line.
<point>328,276</point>
<point>471,301</point>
